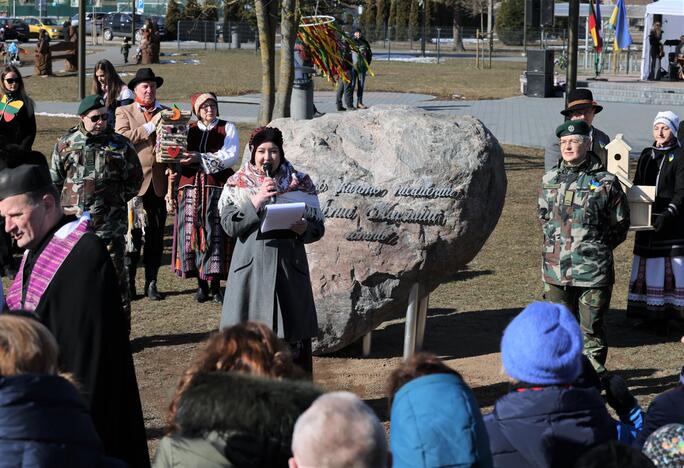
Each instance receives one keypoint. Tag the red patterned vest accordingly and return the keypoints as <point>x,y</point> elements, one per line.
<point>205,142</point>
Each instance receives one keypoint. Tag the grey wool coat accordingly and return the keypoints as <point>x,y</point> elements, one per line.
<point>268,280</point>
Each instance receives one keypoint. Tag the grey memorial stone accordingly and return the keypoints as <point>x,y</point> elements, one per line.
<point>408,195</point>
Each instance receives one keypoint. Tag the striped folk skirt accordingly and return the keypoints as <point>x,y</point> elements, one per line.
<point>656,288</point>
<point>201,248</point>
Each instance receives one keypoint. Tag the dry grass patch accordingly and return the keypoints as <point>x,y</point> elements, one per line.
<point>236,72</point>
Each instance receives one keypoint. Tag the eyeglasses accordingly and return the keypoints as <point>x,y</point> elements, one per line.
<point>11,80</point>
<point>207,105</point>
<point>97,118</point>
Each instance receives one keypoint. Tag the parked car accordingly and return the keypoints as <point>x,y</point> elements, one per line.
<point>35,24</point>
<point>119,25</point>
<point>99,18</point>
<point>13,28</point>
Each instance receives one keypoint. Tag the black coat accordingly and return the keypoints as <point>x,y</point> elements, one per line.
<point>82,309</point>
<point>21,130</point>
<point>549,427</point>
<point>667,408</point>
<point>667,168</point>
<point>45,423</point>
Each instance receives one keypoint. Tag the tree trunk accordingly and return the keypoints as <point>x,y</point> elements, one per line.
<point>266,25</point>
<point>289,24</point>
<point>458,28</point>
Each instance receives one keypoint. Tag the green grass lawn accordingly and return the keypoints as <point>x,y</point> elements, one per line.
<point>236,72</point>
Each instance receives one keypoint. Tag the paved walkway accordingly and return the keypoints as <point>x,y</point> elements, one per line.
<point>518,120</point>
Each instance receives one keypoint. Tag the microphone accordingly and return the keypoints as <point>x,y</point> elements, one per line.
<point>268,169</point>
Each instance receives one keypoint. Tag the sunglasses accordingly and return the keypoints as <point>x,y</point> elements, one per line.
<point>97,118</point>
<point>11,80</point>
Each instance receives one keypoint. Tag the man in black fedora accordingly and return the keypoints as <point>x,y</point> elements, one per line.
<point>137,122</point>
<point>581,106</point>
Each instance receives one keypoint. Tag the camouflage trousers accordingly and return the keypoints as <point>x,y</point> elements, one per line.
<point>117,249</point>
<point>588,305</point>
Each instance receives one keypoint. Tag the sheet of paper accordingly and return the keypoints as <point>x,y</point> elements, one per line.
<point>282,216</point>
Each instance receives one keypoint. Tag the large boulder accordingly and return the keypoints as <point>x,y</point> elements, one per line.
<point>408,195</point>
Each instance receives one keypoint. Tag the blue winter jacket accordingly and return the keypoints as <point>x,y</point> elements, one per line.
<point>44,423</point>
<point>547,427</point>
<point>436,422</point>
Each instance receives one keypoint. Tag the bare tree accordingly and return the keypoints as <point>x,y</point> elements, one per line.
<point>266,16</point>
<point>289,23</point>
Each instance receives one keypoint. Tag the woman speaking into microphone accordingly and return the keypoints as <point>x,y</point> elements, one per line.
<point>268,279</point>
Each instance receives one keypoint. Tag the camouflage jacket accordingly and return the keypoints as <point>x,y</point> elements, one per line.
<point>98,174</point>
<point>584,215</point>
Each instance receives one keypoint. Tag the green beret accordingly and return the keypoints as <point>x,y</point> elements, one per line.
<point>89,103</point>
<point>573,127</point>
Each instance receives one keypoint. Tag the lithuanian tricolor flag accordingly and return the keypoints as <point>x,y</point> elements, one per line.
<point>595,24</point>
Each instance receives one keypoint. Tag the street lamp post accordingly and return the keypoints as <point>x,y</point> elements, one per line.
<point>573,44</point>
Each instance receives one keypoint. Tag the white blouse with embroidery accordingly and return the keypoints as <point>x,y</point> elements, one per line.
<point>224,158</point>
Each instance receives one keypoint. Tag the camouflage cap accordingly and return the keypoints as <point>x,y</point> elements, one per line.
<point>573,127</point>
<point>89,103</point>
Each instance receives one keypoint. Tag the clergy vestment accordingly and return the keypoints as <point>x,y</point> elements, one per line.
<point>69,283</point>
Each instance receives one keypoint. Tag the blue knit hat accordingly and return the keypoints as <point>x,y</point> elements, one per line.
<point>543,345</point>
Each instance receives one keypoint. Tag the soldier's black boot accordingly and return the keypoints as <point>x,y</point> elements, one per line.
<point>216,295</point>
<point>202,293</point>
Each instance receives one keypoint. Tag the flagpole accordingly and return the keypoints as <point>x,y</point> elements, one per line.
<point>573,44</point>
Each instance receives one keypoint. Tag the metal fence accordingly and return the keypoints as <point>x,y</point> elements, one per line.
<point>211,33</point>
<point>391,43</point>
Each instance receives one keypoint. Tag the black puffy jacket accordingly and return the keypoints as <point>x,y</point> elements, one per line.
<point>547,426</point>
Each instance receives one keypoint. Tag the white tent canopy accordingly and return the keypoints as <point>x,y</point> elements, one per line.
<point>673,26</point>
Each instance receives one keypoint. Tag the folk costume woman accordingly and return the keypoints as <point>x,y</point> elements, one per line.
<point>200,246</point>
<point>269,279</point>
<point>656,289</point>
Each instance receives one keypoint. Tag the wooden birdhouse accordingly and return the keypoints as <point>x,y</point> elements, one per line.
<point>640,197</point>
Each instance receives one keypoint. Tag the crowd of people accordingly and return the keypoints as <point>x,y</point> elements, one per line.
<point>86,216</point>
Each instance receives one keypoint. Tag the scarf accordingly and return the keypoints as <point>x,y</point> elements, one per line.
<point>674,142</point>
<point>292,186</point>
<point>148,109</point>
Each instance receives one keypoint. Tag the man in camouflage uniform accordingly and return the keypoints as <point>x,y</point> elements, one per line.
<point>584,215</point>
<point>98,171</point>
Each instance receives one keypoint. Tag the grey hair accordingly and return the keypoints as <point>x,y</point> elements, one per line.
<point>339,430</point>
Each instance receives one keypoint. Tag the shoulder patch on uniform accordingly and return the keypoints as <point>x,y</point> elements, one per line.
<point>594,185</point>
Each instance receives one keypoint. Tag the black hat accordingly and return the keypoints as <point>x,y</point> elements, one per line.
<point>579,99</point>
<point>262,135</point>
<point>23,179</point>
<point>145,74</point>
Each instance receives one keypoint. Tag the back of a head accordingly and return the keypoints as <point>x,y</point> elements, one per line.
<point>613,455</point>
<point>665,447</point>
<point>418,365</point>
<point>543,345</point>
<point>339,431</point>
<point>435,419</point>
<point>26,347</point>
<point>249,348</point>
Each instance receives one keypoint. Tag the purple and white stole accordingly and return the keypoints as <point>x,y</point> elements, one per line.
<point>49,261</point>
